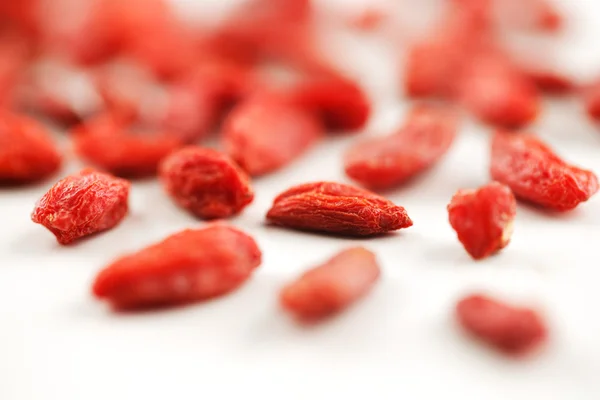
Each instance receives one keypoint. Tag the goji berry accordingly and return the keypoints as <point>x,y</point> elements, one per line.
<point>27,151</point>
<point>435,65</point>
<point>551,82</point>
<point>592,100</point>
<point>336,208</point>
<point>206,182</point>
<point>425,74</point>
<point>391,160</point>
<point>499,94</point>
<point>265,133</point>
<point>512,330</point>
<point>536,174</point>
<point>483,218</point>
<point>332,286</point>
<point>108,142</point>
<point>340,103</point>
<point>82,204</point>
<point>189,266</point>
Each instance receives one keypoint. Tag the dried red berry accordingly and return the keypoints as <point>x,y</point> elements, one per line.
<point>265,133</point>
<point>340,103</point>
<point>592,100</point>
<point>388,161</point>
<point>499,94</point>
<point>336,208</point>
<point>27,152</point>
<point>536,174</point>
<point>206,182</point>
<point>551,82</point>
<point>512,330</point>
<point>82,204</point>
<point>430,66</point>
<point>483,218</point>
<point>332,286</point>
<point>189,266</point>
<point>108,143</point>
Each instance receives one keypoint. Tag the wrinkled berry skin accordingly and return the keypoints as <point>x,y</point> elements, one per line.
<point>336,208</point>
<point>333,286</point>
<point>82,204</point>
<point>266,133</point>
<point>339,103</point>
<point>385,162</point>
<point>483,218</point>
<point>189,266</point>
<point>512,330</point>
<point>206,182</point>
<point>27,151</point>
<point>108,143</point>
<point>536,174</point>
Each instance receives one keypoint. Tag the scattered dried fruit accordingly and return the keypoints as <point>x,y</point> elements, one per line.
<point>332,286</point>
<point>206,182</point>
<point>512,330</point>
<point>536,174</point>
<point>189,266</point>
<point>82,204</point>
<point>108,142</point>
<point>337,208</point>
<point>27,152</point>
<point>265,133</point>
<point>483,218</point>
<point>384,162</point>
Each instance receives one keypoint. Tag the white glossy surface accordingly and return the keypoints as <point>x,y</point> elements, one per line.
<point>57,342</point>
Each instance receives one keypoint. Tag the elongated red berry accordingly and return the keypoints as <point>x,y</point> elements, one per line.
<point>512,330</point>
<point>189,266</point>
<point>389,161</point>
<point>332,286</point>
<point>266,133</point>
<point>536,174</point>
<point>337,208</point>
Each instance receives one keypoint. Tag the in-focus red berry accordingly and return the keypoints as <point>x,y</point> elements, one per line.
<point>483,218</point>
<point>336,208</point>
<point>206,182</point>
<point>536,174</point>
<point>82,204</point>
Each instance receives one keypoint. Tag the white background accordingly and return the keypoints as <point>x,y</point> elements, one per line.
<point>57,342</point>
